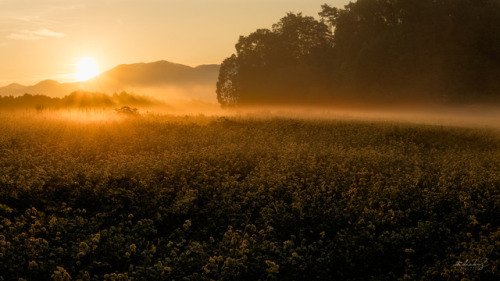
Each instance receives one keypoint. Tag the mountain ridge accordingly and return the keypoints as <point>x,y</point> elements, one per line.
<point>161,75</point>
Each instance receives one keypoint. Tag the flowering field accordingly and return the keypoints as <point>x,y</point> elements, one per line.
<point>246,198</point>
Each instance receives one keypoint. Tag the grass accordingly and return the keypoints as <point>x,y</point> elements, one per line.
<point>246,198</point>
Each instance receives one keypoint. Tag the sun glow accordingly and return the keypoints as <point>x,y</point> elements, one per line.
<point>86,69</point>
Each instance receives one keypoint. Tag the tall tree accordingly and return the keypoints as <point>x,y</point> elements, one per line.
<point>276,64</point>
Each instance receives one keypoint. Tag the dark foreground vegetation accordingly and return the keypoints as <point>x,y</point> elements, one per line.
<point>371,51</point>
<point>206,198</point>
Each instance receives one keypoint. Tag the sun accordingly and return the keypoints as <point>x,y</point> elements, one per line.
<point>86,69</point>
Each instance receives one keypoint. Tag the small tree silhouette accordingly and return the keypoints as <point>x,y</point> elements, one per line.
<point>127,110</point>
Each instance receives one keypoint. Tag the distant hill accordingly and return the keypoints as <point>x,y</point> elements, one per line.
<point>161,79</point>
<point>45,87</point>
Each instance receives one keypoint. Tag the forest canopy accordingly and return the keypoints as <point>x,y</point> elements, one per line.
<point>445,51</point>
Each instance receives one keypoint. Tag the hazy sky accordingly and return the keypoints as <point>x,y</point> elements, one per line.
<point>42,39</point>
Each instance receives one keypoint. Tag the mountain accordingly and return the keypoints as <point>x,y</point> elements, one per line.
<point>45,87</point>
<point>161,79</point>
<point>158,73</point>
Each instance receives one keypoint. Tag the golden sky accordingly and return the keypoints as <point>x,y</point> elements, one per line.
<point>42,39</point>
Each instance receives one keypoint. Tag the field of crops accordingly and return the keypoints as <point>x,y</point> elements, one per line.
<point>246,198</point>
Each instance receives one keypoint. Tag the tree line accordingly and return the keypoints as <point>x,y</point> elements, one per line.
<point>370,50</point>
<point>77,99</point>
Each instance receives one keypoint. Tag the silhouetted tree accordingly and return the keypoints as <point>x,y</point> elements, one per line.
<point>275,64</point>
<point>127,110</point>
<point>228,91</point>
